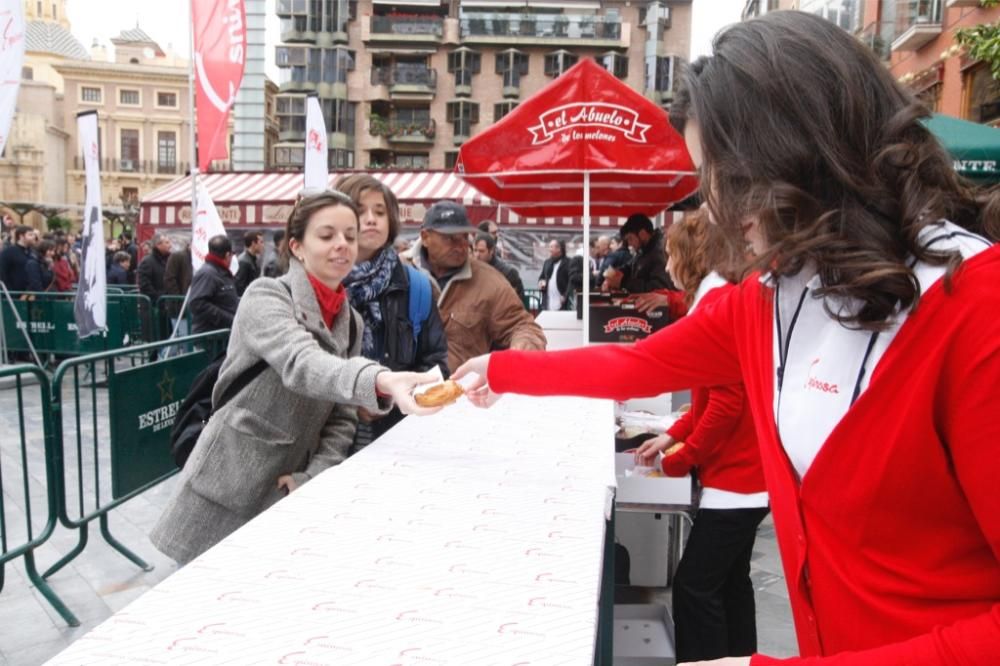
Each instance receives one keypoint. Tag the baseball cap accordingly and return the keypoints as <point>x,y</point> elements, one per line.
<point>448,217</point>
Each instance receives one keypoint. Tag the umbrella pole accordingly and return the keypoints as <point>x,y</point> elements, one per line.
<point>586,258</point>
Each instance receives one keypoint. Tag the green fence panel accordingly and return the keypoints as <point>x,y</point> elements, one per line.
<point>144,401</point>
<point>18,514</point>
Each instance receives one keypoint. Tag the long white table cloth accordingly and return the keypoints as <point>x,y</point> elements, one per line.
<point>469,537</point>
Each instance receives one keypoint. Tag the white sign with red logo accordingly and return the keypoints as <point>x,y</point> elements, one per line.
<point>207,225</point>
<point>316,172</point>
<point>11,57</point>
<point>220,46</point>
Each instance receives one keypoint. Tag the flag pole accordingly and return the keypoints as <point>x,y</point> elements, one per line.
<point>192,153</point>
<point>586,258</point>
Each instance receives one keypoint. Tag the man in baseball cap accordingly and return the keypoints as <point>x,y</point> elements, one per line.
<point>479,308</point>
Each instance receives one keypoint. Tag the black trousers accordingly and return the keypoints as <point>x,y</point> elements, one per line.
<point>714,611</point>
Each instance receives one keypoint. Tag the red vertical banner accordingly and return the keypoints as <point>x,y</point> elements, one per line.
<point>220,48</point>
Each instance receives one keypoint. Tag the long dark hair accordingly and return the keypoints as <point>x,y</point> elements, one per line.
<point>803,129</point>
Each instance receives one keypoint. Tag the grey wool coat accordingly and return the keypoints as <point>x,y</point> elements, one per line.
<point>297,417</point>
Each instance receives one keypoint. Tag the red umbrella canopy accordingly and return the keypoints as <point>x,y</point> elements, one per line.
<point>586,121</point>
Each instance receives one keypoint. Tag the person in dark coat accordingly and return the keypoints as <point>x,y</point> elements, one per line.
<point>485,249</point>
<point>648,269</point>
<point>213,300</point>
<point>118,271</point>
<point>554,278</point>
<point>14,258</point>
<point>249,262</point>
<point>153,267</point>
<point>39,267</point>
<point>379,288</point>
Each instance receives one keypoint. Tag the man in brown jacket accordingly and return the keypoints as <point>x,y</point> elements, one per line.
<point>479,308</point>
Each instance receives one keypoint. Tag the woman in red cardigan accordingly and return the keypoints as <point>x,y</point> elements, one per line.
<point>869,346</point>
<point>714,611</point>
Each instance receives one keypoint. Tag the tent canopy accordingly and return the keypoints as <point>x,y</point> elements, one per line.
<point>584,125</point>
<point>260,199</point>
<point>974,148</point>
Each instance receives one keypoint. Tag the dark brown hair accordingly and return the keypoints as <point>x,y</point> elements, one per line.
<point>696,248</point>
<point>357,184</point>
<point>305,208</point>
<point>805,131</point>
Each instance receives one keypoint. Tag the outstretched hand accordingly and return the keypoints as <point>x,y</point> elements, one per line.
<point>651,301</point>
<point>477,389</point>
<point>399,386</point>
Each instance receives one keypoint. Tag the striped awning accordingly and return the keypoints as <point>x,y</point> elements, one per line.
<point>250,199</point>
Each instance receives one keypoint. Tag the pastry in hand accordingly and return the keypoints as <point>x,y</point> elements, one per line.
<point>673,449</point>
<point>439,395</point>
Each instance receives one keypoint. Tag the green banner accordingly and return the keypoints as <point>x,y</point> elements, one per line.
<point>52,328</point>
<point>143,405</point>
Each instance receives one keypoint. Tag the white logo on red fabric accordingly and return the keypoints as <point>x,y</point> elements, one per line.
<point>812,383</point>
<point>628,325</point>
<point>599,115</point>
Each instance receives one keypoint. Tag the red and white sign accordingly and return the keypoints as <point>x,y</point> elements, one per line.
<point>596,116</point>
<point>207,224</point>
<point>220,46</point>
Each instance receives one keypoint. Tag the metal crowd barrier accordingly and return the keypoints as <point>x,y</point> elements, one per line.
<point>18,534</point>
<point>533,300</point>
<point>108,456</point>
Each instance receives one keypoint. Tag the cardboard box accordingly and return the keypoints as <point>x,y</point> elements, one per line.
<point>643,635</point>
<point>613,318</point>
<point>644,490</point>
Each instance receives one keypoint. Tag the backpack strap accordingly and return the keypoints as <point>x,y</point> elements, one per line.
<point>420,299</point>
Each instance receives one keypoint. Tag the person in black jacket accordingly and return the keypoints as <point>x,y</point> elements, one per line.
<point>554,279</point>
<point>249,262</point>
<point>14,258</point>
<point>119,268</point>
<point>485,249</point>
<point>213,300</point>
<point>379,288</point>
<point>648,269</point>
<point>152,268</point>
<point>39,267</point>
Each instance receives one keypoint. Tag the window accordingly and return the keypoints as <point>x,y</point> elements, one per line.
<point>90,94</point>
<point>464,63</point>
<point>558,62</point>
<point>616,63</point>
<point>166,99</point>
<point>502,109</point>
<point>166,152</point>
<point>414,161</point>
<point>341,159</point>
<point>289,156</point>
<point>463,115</point>
<point>450,158</point>
<point>55,12</point>
<point>512,65</point>
<point>129,150</point>
<point>38,5</point>
<point>27,73</point>
<point>291,113</point>
<point>661,73</point>
<point>336,64</point>
<point>338,115</point>
<point>983,96</point>
<point>128,97</point>
<point>133,61</point>
<point>130,194</point>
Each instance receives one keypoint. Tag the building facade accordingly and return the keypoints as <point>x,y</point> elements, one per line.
<point>403,85</point>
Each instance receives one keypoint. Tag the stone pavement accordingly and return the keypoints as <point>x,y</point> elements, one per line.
<point>101,582</point>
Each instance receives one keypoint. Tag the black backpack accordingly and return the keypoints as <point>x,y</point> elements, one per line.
<point>196,410</point>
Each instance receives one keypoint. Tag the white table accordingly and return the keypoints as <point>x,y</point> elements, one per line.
<point>470,537</point>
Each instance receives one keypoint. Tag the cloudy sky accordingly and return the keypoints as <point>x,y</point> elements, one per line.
<point>168,22</point>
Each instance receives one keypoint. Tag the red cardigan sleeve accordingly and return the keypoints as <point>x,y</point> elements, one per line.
<point>682,427</point>
<point>967,415</point>
<point>698,350</point>
<point>722,414</point>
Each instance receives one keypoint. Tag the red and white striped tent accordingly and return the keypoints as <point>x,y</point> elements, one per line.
<point>247,200</point>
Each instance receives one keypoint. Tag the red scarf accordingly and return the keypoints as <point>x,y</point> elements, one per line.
<point>218,261</point>
<point>329,300</point>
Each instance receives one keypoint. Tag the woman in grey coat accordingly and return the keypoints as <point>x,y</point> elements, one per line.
<point>297,417</point>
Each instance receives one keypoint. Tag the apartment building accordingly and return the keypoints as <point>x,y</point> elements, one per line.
<point>404,83</point>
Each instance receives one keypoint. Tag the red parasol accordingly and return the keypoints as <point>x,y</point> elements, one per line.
<point>586,144</point>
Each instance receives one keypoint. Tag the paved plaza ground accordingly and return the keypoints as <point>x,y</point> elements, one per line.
<point>101,582</point>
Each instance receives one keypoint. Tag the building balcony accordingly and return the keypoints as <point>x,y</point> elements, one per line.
<point>918,25</point>
<point>125,166</point>
<point>406,82</point>
<point>543,30</point>
<point>872,37</point>
<point>397,132</point>
<point>409,29</point>
<point>289,8</point>
<point>961,3</point>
